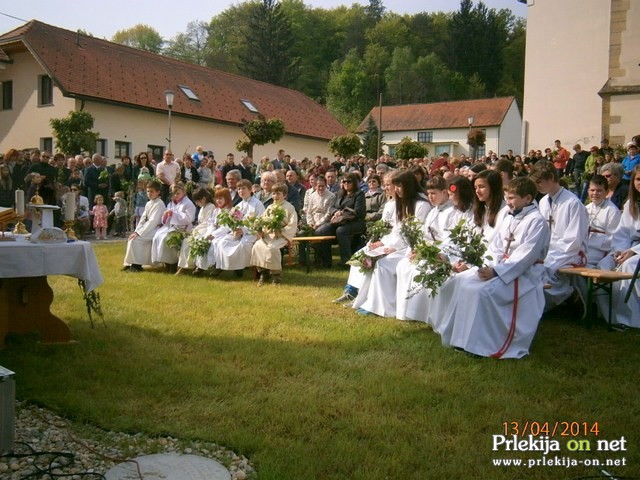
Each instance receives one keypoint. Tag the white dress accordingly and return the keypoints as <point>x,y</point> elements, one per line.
<point>357,277</point>
<point>139,249</point>
<point>266,250</point>
<point>603,221</point>
<point>437,226</point>
<point>627,236</point>
<point>569,224</point>
<point>232,253</point>
<point>378,291</point>
<point>184,213</point>
<point>499,317</point>
<point>215,233</point>
<point>184,259</point>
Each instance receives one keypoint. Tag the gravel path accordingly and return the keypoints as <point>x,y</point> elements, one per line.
<point>83,452</point>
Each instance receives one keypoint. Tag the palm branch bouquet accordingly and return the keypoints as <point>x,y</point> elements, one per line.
<point>467,244</point>
<point>271,221</point>
<point>233,219</point>
<point>376,230</point>
<point>175,237</point>
<point>363,261</point>
<point>198,246</point>
<point>411,231</point>
<point>433,268</point>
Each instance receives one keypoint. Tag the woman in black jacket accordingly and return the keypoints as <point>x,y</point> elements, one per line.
<point>347,221</point>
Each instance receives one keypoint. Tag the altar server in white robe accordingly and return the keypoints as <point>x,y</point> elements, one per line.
<point>377,294</point>
<point>139,242</point>
<point>496,309</point>
<point>462,195</point>
<point>413,303</point>
<point>233,251</point>
<point>356,276</point>
<point>266,255</point>
<point>604,217</point>
<point>203,198</point>
<point>624,256</point>
<point>179,214</point>
<point>215,231</point>
<point>569,225</point>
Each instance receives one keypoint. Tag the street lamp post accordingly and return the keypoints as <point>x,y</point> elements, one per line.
<point>473,149</point>
<point>168,95</point>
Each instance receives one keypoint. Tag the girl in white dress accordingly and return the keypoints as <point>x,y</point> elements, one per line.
<point>214,231</point>
<point>233,251</point>
<point>204,200</point>
<point>377,294</point>
<point>625,247</point>
<point>489,207</point>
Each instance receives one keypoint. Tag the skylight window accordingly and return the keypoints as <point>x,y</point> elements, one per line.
<point>188,92</point>
<point>250,106</point>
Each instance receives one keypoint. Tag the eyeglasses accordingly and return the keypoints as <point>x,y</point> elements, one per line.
<point>143,158</point>
<point>345,181</point>
<point>606,176</point>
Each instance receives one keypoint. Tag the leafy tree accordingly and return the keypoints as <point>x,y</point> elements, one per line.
<point>476,138</point>
<point>73,133</point>
<point>227,38</point>
<point>436,82</point>
<point>267,55</point>
<point>374,11</point>
<point>259,131</point>
<point>348,91</point>
<point>401,77</point>
<point>391,32</point>
<point>345,145</point>
<point>140,36</point>
<point>370,139</point>
<point>190,46</point>
<point>475,87</point>
<point>408,148</point>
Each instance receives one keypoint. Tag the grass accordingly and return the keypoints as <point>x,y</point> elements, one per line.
<point>309,390</point>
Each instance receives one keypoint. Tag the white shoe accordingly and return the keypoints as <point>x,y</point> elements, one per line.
<point>345,297</point>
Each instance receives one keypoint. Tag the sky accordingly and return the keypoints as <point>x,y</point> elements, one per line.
<point>104,18</point>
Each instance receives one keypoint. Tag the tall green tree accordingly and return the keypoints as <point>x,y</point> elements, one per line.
<point>401,77</point>
<point>190,46</point>
<point>140,36</point>
<point>227,38</point>
<point>370,139</point>
<point>348,91</point>
<point>74,133</point>
<point>268,51</point>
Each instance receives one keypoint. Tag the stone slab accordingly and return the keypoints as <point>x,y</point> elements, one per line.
<point>170,466</point>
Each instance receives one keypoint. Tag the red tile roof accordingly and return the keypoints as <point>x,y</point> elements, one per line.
<point>486,112</point>
<point>92,68</point>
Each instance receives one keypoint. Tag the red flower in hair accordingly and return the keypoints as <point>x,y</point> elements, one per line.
<point>452,188</point>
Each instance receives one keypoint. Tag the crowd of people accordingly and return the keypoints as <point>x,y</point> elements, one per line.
<point>536,213</point>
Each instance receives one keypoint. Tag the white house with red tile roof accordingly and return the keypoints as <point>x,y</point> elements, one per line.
<point>443,126</point>
<point>49,71</point>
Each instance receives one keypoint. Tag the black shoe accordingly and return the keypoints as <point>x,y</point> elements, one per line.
<point>135,268</point>
<point>238,273</point>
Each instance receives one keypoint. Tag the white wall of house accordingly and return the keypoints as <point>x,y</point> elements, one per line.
<point>567,58</point>
<point>510,131</point>
<point>26,123</point>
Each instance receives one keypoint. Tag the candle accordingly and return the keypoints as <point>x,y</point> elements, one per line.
<point>20,203</point>
<point>69,206</point>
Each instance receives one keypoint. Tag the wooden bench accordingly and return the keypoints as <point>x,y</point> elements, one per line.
<point>597,280</point>
<point>307,253</point>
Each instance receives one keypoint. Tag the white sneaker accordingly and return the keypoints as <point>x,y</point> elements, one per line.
<point>345,297</point>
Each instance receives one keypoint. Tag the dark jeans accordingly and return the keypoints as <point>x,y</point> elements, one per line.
<point>344,234</point>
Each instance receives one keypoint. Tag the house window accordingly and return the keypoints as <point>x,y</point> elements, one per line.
<point>481,151</point>
<point>45,90</point>
<point>250,106</point>
<point>7,95</point>
<point>156,150</point>
<point>122,149</point>
<point>425,137</point>
<point>188,92</point>
<point>440,149</point>
<point>101,147</point>
<point>46,144</point>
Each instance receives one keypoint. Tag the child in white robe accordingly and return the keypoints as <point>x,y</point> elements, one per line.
<point>203,198</point>
<point>624,256</point>
<point>569,225</point>
<point>139,242</point>
<point>604,217</point>
<point>377,295</point>
<point>179,214</point>
<point>233,251</point>
<point>214,231</point>
<point>437,226</point>
<point>496,310</point>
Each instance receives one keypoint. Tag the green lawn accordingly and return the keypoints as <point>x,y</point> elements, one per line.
<point>310,390</point>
